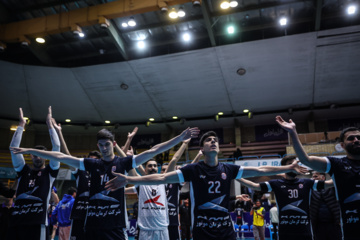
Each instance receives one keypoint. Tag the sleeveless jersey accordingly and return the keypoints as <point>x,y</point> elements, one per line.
<point>153,207</point>
<point>293,200</point>
<point>209,193</point>
<point>346,176</point>
<point>82,195</point>
<point>258,220</point>
<point>106,209</point>
<point>173,194</point>
<point>32,196</point>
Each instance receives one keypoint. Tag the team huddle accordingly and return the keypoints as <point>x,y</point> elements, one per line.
<point>102,179</point>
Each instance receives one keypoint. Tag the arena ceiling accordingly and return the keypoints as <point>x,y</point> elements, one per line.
<point>307,69</point>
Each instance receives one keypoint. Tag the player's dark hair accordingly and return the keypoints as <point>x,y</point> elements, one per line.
<point>345,130</point>
<point>105,134</point>
<point>206,135</point>
<point>40,147</point>
<point>145,164</point>
<point>285,159</point>
<point>94,154</point>
<point>71,190</point>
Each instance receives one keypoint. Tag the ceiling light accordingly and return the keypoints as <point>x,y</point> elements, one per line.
<point>25,118</point>
<point>216,118</point>
<point>351,9</point>
<point>124,25</point>
<point>67,120</point>
<point>250,115</point>
<point>186,37</point>
<point>151,119</point>
<point>283,21</point>
<point>181,12</point>
<point>225,5</point>
<point>40,40</point>
<point>220,113</point>
<point>233,4</point>
<point>196,3</point>
<point>81,35</point>
<point>174,117</point>
<point>107,121</point>
<point>141,44</point>
<point>246,110</point>
<point>132,22</point>
<point>230,30</point>
<point>173,14</point>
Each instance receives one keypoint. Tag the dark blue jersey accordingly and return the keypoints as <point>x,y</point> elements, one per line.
<point>209,193</point>
<point>106,209</point>
<point>32,196</point>
<point>346,176</point>
<point>293,200</point>
<point>172,194</point>
<point>82,195</point>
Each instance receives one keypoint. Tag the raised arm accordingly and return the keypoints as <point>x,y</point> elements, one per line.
<point>177,155</point>
<point>197,157</point>
<point>18,159</point>
<point>250,184</point>
<point>162,147</point>
<point>63,144</point>
<point>119,151</point>
<point>269,171</point>
<point>54,139</point>
<point>153,179</point>
<point>52,156</point>
<point>129,139</point>
<point>316,163</point>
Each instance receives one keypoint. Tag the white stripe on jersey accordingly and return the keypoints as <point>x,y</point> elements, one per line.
<point>180,176</point>
<point>192,199</point>
<point>240,172</point>
<point>328,166</point>
<point>268,186</point>
<point>315,185</point>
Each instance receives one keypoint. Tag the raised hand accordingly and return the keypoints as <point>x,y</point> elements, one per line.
<point>190,133</point>
<point>17,150</point>
<point>288,126</point>
<point>298,169</point>
<point>49,117</point>
<point>56,125</point>
<point>132,134</point>
<point>22,121</point>
<point>118,182</point>
<point>130,152</point>
<point>243,197</point>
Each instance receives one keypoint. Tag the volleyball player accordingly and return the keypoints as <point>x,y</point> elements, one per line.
<point>293,199</point>
<point>345,173</point>
<point>29,216</point>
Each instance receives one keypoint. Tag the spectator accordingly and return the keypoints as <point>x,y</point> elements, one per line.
<point>62,212</point>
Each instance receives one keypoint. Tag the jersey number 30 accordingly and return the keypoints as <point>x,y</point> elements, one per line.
<point>214,186</point>
<point>293,193</point>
